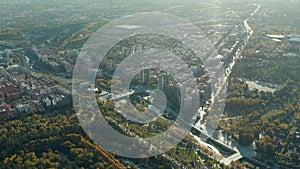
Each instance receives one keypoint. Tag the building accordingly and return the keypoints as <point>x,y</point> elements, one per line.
<point>163,80</point>
<point>11,92</point>
<point>2,97</point>
<point>145,76</point>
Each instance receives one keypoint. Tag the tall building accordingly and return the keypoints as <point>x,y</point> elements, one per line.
<point>145,76</point>
<point>163,80</point>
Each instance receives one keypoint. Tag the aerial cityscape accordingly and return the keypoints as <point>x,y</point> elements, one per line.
<point>150,84</point>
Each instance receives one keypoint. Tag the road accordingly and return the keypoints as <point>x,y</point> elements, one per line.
<point>228,71</point>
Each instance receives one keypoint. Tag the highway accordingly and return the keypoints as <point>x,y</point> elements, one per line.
<point>204,136</point>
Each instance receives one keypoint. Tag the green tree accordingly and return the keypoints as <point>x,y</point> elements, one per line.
<point>269,148</point>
